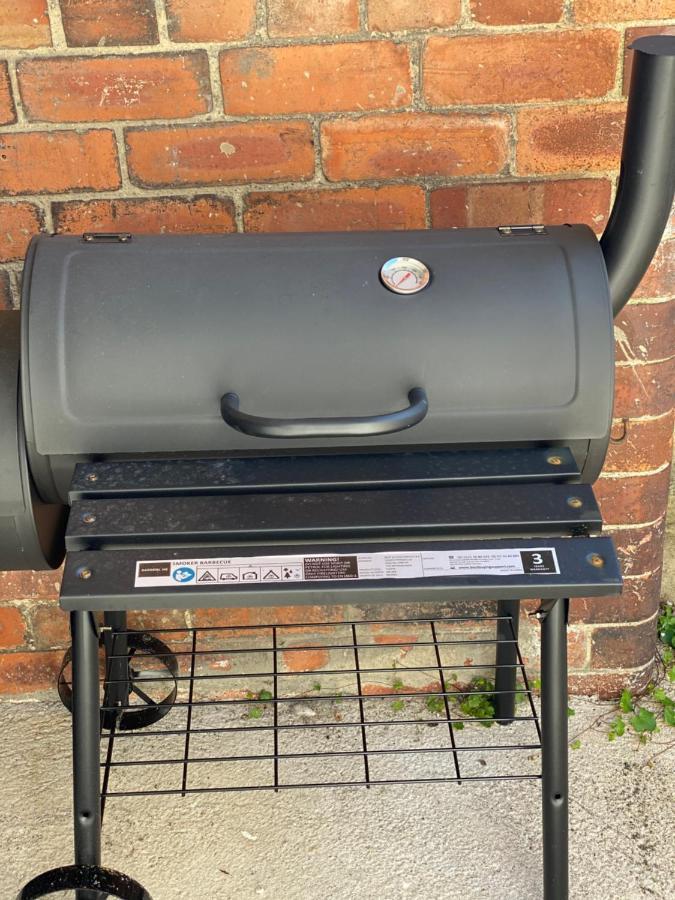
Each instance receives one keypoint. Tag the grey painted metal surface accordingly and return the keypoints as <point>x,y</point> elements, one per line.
<point>110,581</point>
<point>129,347</point>
<point>31,533</point>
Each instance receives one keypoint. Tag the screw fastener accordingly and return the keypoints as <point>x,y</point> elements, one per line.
<point>596,560</point>
<point>575,502</point>
<point>88,518</point>
<point>92,477</point>
<point>554,460</point>
<point>84,574</point>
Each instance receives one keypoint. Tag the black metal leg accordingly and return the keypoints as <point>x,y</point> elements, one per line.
<point>86,735</point>
<point>116,645</point>
<point>554,748</point>
<point>507,659</point>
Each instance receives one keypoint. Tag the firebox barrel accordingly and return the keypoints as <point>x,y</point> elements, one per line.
<point>647,181</point>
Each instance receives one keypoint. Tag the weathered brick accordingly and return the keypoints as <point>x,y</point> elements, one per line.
<point>399,146</point>
<point>107,23</point>
<point>288,18</point>
<point>639,600</point>
<point>622,10</point>
<point>644,331</point>
<point>351,209</point>
<point>5,296</point>
<point>103,88</point>
<point>640,549</point>
<point>516,12</point>
<point>29,585</point>
<point>12,628</point>
<point>521,203</point>
<point>315,78</point>
<point>18,223</point>
<point>644,390</point>
<point>22,673</point>
<point>633,34</point>
<point>221,154</point>
<point>154,215</point>
<point>659,280</point>
<point>278,615</point>
<point>563,139</point>
<point>633,500</point>
<point>619,647</point>
<point>24,24</point>
<point>647,446</point>
<point>400,15</point>
<point>607,686</point>
<point>42,162</point>
<point>210,20</point>
<point>304,660</point>
<point>516,68</point>
<point>157,619</point>
<point>7,111</point>
<point>51,627</point>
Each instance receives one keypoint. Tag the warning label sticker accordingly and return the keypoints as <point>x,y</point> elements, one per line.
<point>340,567</point>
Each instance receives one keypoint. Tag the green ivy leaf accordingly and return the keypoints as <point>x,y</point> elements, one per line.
<point>264,696</point>
<point>570,712</point>
<point>575,744</point>
<point>398,705</point>
<point>643,721</point>
<point>626,701</point>
<point>617,728</point>
<point>669,715</point>
<point>255,713</point>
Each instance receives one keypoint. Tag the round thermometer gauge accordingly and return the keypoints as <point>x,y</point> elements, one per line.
<point>405,275</point>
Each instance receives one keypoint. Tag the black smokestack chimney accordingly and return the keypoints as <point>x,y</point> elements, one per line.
<point>647,181</point>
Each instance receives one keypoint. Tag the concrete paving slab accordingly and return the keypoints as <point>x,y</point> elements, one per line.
<point>426,842</point>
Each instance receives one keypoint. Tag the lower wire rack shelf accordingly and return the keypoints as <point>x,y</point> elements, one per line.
<point>331,704</point>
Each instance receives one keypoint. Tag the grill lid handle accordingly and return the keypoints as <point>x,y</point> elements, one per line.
<point>342,427</point>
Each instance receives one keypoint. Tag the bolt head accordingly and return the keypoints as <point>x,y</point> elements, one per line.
<point>575,502</point>
<point>92,477</point>
<point>84,573</point>
<point>596,560</point>
<point>88,518</point>
<point>554,460</point>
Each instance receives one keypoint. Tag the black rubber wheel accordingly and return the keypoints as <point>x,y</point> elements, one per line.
<point>148,711</point>
<point>105,882</point>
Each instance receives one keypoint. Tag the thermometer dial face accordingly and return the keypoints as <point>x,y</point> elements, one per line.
<point>405,275</point>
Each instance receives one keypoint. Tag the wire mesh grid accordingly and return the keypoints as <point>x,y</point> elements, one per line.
<point>359,703</point>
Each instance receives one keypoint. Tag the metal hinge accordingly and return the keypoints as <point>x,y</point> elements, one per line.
<point>521,229</point>
<point>106,237</point>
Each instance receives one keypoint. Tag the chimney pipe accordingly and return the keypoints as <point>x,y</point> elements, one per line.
<point>647,182</point>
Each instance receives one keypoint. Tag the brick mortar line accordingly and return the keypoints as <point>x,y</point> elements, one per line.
<point>55,24</point>
<point>262,16</point>
<point>317,146</point>
<point>428,182</point>
<point>593,626</point>
<point>15,97</point>
<point>122,164</point>
<point>482,110</point>
<point>654,523</point>
<point>648,473</point>
<point>217,91</point>
<point>618,420</point>
<point>291,186</point>
<point>364,26</point>
<point>162,22</point>
<point>632,364</point>
<point>259,40</point>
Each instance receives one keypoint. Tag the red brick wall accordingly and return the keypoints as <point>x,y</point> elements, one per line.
<point>223,115</point>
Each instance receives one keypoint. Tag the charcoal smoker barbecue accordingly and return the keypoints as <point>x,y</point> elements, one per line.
<point>259,420</point>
